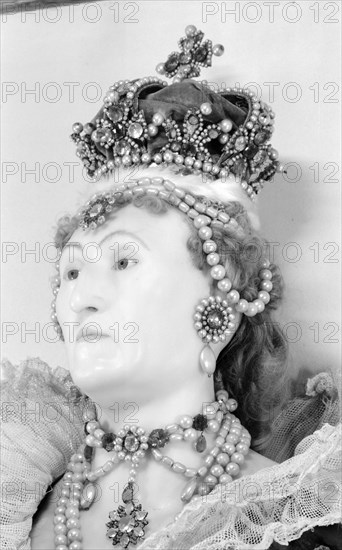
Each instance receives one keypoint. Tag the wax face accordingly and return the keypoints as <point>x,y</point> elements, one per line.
<point>130,330</point>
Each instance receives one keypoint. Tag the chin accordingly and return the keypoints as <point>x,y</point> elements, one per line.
<point>102,378</point>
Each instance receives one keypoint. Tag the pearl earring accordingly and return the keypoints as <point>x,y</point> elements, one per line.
<point>214,321</point>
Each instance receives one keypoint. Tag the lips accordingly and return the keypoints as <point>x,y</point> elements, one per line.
<point>90,335</point>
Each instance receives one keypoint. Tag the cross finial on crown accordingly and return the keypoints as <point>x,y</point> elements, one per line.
<point>193,55</point>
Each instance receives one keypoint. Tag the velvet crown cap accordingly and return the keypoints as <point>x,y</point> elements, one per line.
<point>146,122</point>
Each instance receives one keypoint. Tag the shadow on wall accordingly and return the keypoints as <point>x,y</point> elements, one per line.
<point>8,7</point>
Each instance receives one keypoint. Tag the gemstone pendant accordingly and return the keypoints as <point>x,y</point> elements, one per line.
<point>127,523</point>
<point>201,444</point>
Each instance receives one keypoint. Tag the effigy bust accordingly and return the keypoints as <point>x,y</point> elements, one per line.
<point>164,297</point>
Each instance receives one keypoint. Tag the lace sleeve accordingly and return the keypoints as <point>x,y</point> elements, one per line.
<point>41,428</point>
<point>316,405</point>
<point>276,504</point>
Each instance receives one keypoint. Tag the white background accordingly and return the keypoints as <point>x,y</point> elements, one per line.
<point>71,55</point>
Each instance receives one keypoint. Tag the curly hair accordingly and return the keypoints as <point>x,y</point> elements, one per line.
<point>251,367</point>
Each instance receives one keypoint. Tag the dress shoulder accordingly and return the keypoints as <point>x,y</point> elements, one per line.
<point>41,427</point>
<point>275,505</point>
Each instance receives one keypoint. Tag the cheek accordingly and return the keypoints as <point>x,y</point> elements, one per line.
<point>164,302</point>
<point>65,315</point>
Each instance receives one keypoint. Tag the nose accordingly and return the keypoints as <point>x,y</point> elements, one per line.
<point>87,295</point>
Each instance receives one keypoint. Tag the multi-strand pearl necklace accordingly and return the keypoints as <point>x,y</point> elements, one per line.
<point>127,523</point>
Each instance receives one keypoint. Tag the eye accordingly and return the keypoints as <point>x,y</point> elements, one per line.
<point>123,263</point>
<point>72,274</point>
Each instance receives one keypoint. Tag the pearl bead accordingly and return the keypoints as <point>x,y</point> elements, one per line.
<point>213,426</point>
<point>205,233</point>
<point>79,467</point>
<point>157,158</point>
<point>91,426</point>
<point>60,529</point>
<point>89,128</point>
<point>259,304</point>
<point>266,285</point>
<point>232,438</point>
<point>213,258</point>
<point>236,430</point>
<point>226,125</point>
<point>217,272</point>
<point>190,435</point>
<point>72,511</point>
<point>190,30</point>
<point>252,310</point>
<point>241,306</point>
<point>158,119</point>
<point>73,523</point>
<point>264,296</point>
<point>185,421</point>
<point>210,479</point>
<point>208,247</point>
<point>168,156</point>
<point>242,448</point>
<point>188,161</point>
<point>232,405</point>
<point>146,158</point>
<point>203,488</point>
<point>160,68</point>
<point>209,460</point>
<point>222,459</point>
<point>77,127</point>
<point>176,437</point>
<point>225,285</point>
<point>201,221</point>
<point>59,518</point>
<point>152,130</point>
<point>206,109</point>
<point>232,469</point>
<point>218,50</point>
<point>216,470</point>
<point>74,534</point>
<point>223,139</point>
<point>238,458</point>
<point>265,274</point>
<point>233,297</point>
<point>75,545</point>
<point>228,448</point>
<point>60,539</point>
<point>265,263</point>
<point>225,478</point>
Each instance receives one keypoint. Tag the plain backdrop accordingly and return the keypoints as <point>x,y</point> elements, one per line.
<point>57,64</point>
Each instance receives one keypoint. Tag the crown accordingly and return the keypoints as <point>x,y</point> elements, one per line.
<point>185,124</point>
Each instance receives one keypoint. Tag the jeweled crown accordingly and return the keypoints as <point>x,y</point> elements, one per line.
<point>147,122</point>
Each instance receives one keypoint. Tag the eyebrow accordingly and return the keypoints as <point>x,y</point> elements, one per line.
<point>118,232</point>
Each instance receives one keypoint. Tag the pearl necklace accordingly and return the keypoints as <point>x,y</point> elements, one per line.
<point>128,522</point>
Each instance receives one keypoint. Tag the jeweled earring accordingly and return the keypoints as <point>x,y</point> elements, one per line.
<point>214,321</point>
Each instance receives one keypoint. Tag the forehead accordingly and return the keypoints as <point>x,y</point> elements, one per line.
<point>155,230</point>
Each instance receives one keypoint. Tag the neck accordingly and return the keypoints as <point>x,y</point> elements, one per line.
<point>158,409</point>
